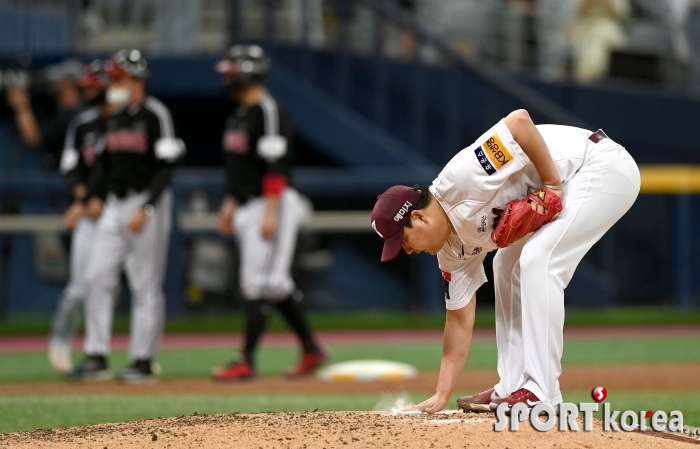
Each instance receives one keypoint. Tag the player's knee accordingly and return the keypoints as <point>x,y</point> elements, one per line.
<point>503,266</point>
<point>499,264</point>
<point>537,262</point>
<point>99,279</point>
<point>533,257</point>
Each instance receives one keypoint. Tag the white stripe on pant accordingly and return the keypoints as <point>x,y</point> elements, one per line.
<point>143,257</point>
<point>531,275</point>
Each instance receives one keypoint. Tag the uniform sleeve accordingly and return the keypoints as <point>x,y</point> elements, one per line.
<point>168,150</point>
<point>476,173</point>
<point>274,146</point>
<point>461,278</point>
<point>70,157</point>
<point>72,164</point>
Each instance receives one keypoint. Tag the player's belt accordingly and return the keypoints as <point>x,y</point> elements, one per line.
<point>598,136</point>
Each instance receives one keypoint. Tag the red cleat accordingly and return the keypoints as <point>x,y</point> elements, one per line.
<point>234,371</point>
<point>479,402</point>
<point>309,362</point>
<point>527,397</point>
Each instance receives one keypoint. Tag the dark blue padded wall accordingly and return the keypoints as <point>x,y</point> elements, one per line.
<point>655,128</point>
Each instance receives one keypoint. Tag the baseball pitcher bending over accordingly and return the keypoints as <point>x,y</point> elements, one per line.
<point>540,195</point>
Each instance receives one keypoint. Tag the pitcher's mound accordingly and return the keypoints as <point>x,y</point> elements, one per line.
<point>326,429</point>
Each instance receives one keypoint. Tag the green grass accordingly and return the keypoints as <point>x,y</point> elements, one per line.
<point>231,322</point>
<point>31,412</point>
<point>22,367</point>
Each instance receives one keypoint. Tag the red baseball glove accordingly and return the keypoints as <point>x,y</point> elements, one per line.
<point>518,219</point>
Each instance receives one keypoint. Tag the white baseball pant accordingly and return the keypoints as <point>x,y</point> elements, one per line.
<point>144,257</point>
<point>70,306</point>
<point>531,275</point>
<point>265,265</point>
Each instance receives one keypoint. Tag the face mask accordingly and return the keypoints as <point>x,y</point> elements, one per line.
<point>118,96</point>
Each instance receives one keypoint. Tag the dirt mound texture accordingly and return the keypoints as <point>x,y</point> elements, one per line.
<point>330,430</point>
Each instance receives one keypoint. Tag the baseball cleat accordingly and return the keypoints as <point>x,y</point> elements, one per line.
<point>522,395</point>
<point>92,369</point>
<point>60,360</point>
<point>479,403</point>
<point>140,372</point>
<point>238,370</point>
<point>309,362</point>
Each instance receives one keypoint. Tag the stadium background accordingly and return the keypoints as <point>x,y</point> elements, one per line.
<point>379,94</point>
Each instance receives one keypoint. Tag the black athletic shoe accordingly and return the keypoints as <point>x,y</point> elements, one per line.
<point>92,369</point>
<point>140,372</point>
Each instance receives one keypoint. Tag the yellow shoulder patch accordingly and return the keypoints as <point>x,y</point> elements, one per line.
<point>496,151</point>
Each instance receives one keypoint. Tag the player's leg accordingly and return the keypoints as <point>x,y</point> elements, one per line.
<point>594,199</point>
<point>254,253</point>
<point>279,286</point>
<point>511,358</point>
<point>506,273</point>
<point>66,320</point>
<point>145,268</point>
<point>312,355</point>
<point>106,256</point>
<point>257,314</point>
<point>276,282</point>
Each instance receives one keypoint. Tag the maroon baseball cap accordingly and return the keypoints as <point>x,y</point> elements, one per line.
<point>390,212</point>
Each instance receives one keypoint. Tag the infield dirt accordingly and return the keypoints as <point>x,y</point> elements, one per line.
<point>330,430</point>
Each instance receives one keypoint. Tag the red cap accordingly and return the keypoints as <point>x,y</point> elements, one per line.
<point>91,78</point>
<point>113,70</point>
<point>127,63</point>
<point>390,212</point>
<point>227,66</point>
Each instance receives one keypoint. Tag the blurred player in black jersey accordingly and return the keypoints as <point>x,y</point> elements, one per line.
<point>261,209</point>
<point>84,140</point>
<point>132,177</point>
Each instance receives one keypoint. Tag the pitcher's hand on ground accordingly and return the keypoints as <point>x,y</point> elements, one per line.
<point>432,405</point>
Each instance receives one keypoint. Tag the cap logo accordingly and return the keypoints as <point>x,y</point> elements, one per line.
<point>399,215</point>
<point>374,226</point>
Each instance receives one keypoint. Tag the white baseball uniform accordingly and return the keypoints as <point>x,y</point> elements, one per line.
<point>265,267</point>
<point>143,256</point>
<point>67,317</point>
<point>82,144</point>
<point>141,149</point>
<point>257,146</point>
<point>601,182</point>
